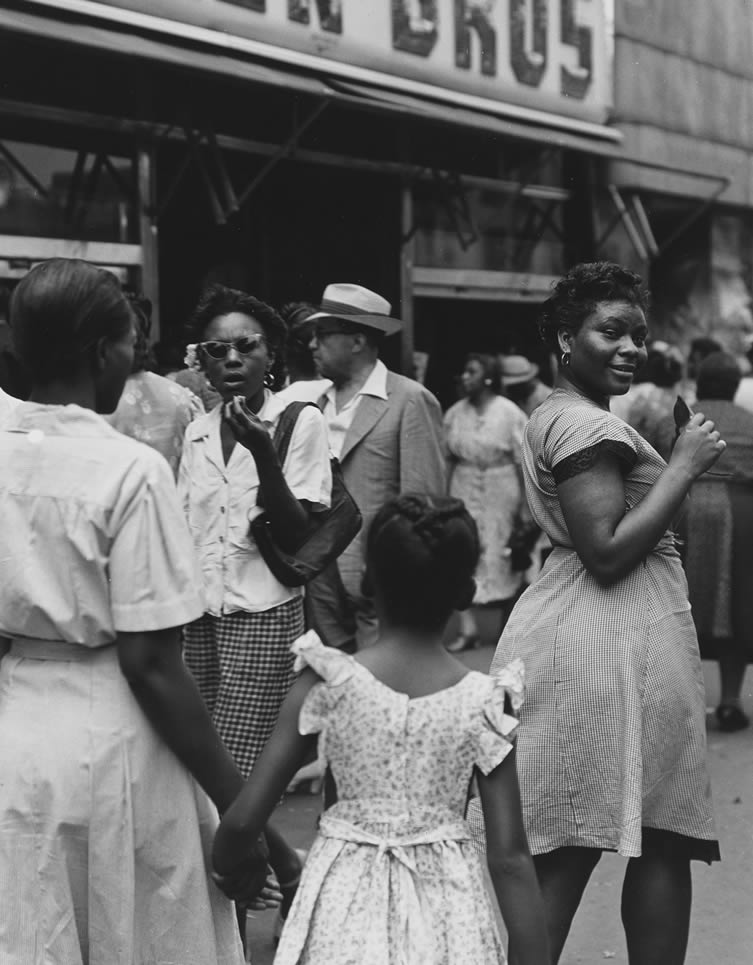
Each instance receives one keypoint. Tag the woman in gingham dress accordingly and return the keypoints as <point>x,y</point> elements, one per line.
<point>239,650</point>
<point>611,754</point>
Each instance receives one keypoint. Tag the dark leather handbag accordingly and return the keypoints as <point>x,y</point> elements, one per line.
<point>329,532</point>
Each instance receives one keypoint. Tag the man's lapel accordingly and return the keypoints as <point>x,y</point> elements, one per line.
<point>369,411</point>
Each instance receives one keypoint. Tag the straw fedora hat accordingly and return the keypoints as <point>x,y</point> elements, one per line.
<point>353,303</point>
<point>515,369</point>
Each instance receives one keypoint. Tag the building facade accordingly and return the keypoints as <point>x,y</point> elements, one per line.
<point>455,155</point>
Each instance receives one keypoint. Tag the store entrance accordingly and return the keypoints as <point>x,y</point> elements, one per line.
<point>447,329</point>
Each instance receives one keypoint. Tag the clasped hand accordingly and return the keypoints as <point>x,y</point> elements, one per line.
<point>248,429</point>
<point>698,446</point>
<point>252,883</point>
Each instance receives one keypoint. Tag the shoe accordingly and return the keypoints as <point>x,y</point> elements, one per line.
<point>463,641</point>
<point>730,718</point>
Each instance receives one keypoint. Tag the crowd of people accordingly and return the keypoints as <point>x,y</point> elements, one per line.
<point>160,686</point>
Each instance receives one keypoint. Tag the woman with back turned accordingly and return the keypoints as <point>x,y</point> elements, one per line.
<point>612,747</point>
<point>103,831</point>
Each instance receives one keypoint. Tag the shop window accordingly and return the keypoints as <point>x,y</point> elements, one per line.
<point>52,192</point>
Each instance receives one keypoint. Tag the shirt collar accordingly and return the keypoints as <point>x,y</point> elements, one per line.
<point>375,384</point>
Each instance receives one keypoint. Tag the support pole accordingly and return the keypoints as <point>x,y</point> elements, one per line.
<point>146,178</point>
<point>407,257</point>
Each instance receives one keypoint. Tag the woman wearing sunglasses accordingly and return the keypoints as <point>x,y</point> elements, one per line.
<point>239,650</point>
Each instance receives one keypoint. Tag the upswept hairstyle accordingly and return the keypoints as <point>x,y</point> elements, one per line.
<point>59,310</point>
<point>421,554</point>
<point>578,292</point>
<point>217,300</point>
<point>491,368</point>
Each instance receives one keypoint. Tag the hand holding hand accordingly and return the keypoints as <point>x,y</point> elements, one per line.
<point>247,428</point>
<point>250,885</point>
<point>698,446</point>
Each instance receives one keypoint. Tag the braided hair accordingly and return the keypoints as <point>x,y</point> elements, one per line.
<point>421,554</point>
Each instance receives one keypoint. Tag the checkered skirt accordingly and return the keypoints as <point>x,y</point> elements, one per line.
<point>612,735</point>
<point>243,666</point>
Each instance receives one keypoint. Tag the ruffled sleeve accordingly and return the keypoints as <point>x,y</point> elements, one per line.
<point>333,666</point>
<point>498,725</point>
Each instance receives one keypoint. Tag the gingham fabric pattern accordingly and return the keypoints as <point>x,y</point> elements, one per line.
<point>612,733</point>
<point>243,666</point>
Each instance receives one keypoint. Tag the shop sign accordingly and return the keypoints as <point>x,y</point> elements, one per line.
<point>554,55</point>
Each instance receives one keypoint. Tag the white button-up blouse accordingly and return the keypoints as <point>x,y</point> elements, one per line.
<point>219,501</point>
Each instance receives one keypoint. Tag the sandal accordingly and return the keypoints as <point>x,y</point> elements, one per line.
<point>730,718</point>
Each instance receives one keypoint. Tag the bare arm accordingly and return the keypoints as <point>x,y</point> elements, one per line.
<point>283,754</point>
<point>152,663</point>
<point>612,541</point>
<point>511,866</point>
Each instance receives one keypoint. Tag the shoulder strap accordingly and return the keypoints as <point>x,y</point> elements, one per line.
<point>284,433</point>
<point>284,430</point>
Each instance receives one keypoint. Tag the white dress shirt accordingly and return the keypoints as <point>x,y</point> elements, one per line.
<point>338,423</point>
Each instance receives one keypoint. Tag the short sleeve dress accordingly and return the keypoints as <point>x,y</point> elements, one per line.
<point>613,737</point>
<point>392,875</point>
<point>104,836</point>
<point>486,447</point>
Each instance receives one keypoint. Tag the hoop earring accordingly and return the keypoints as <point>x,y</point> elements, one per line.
<point>269,380</point>
<point>565,359</point>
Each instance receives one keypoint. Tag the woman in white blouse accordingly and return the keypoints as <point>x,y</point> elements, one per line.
<point>104,835</point>
<point>239,650</point>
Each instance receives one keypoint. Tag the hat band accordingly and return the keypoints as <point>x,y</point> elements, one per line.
<point>342,308</point>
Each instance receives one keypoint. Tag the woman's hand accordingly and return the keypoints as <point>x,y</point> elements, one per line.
<point>247,428</point>
<point>698,447</point>
<point>252,885</point>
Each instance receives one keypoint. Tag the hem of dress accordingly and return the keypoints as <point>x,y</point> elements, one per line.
<point>654,841</point>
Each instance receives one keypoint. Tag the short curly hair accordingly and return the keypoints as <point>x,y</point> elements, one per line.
<point>218,300</point>
<point>579,291</point>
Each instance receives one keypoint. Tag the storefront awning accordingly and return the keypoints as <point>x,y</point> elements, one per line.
<point>125,39</point>
<point>133,44</point>
<point>383,100</point>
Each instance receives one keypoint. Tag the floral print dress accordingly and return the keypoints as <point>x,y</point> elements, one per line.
<point>392,875</point>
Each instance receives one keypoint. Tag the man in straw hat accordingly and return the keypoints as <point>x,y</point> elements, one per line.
<point>521,382</point>
<point>385,429</point>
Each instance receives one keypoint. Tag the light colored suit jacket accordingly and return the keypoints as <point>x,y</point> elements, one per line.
<point>393,446</point>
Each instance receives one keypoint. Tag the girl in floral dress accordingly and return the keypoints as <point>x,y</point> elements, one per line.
<point>404,729</point>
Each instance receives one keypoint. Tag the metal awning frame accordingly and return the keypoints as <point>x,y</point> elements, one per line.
<point>634,217</point>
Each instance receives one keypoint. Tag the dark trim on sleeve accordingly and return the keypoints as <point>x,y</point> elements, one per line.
<point>587,458</point>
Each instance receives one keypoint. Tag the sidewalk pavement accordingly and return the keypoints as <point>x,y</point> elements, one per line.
<point>722,924</point>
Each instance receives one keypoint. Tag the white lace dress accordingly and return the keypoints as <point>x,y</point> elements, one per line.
<point>392,875</point>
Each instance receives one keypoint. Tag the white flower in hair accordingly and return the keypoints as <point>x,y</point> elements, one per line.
<point>191,360</point>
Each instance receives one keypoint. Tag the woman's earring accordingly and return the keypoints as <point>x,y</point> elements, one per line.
<point>269,380</point>
<point>487,381</point>
<point>565,359</point>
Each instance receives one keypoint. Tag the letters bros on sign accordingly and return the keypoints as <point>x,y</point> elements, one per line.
<point>523,25</point>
